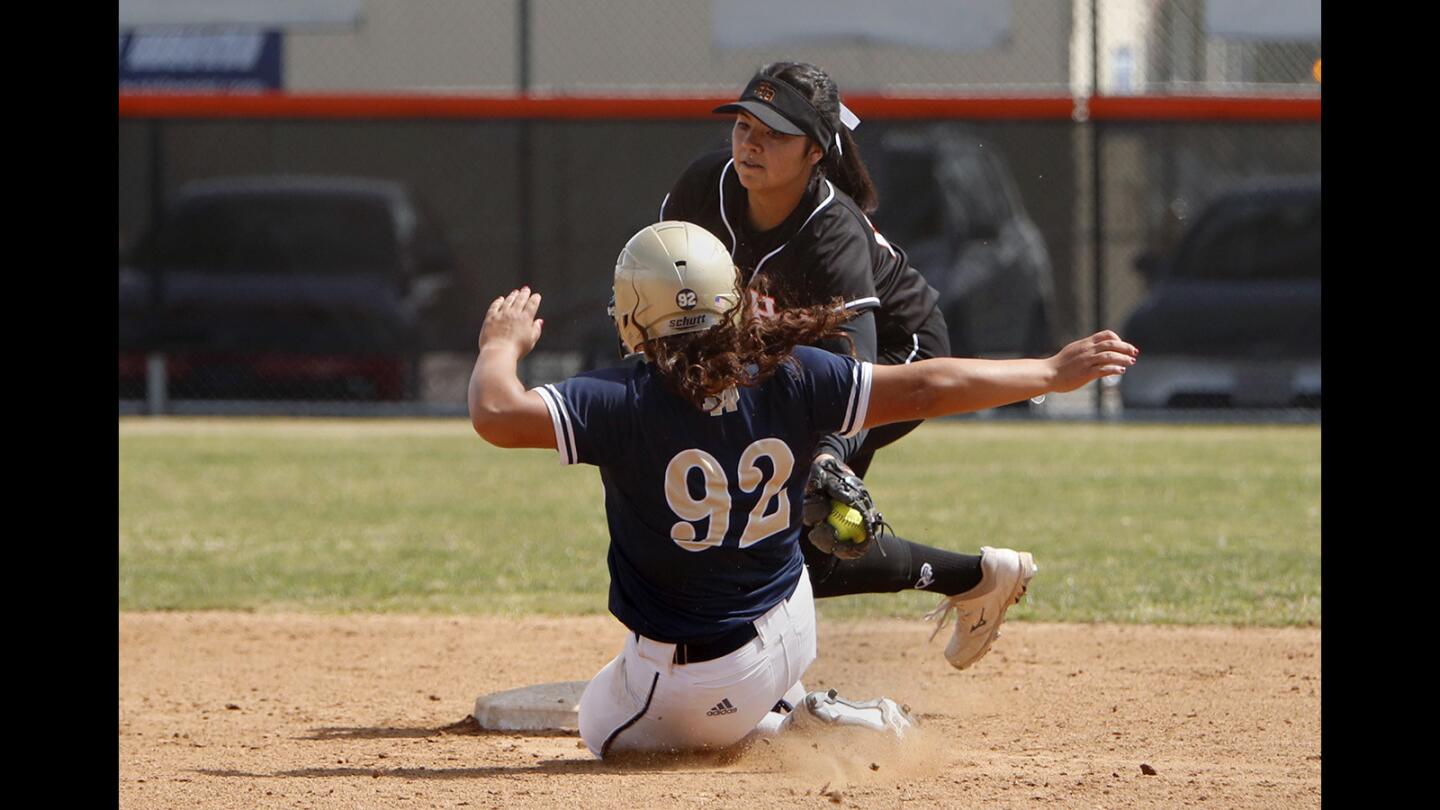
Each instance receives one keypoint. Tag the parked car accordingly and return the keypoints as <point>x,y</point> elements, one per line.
<point>1233,314</point>
<point>951,202</point>
<point>284,287</point>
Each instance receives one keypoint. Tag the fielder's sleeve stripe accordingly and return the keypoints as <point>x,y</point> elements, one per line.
<point>865,303</point>
<point>859,400</point>
<point>560,420</point>
<point>914,347</point>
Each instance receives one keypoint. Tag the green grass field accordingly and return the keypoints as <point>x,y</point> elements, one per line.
<point>1129,523</point>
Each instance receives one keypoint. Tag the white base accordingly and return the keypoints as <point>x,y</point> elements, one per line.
<point>543,707</point>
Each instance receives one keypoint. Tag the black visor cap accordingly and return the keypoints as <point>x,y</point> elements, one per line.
<point>764,112</point>
<point>782,108</point>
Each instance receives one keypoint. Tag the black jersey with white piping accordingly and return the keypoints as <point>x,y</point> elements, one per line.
<point>826,248</point>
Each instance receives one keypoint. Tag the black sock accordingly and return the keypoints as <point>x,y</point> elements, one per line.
<point>950,572</point>
<point>903,566</point>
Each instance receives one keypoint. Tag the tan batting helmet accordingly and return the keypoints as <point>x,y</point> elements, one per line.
<point>672,278</point>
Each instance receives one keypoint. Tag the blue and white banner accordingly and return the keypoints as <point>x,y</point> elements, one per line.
<point>201,59</point>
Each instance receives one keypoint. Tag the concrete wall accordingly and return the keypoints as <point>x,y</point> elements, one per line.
<point>641,46</point>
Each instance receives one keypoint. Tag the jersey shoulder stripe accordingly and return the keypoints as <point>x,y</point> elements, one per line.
<point>879,237</point>
<point>560,420</point>
<point>859,401</point>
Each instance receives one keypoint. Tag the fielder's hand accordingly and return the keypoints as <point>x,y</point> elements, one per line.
<point>1103,354</point>
<point>830,479</point>
<point>511,322</point>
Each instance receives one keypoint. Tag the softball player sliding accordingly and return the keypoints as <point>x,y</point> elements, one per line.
<point>704,450</point>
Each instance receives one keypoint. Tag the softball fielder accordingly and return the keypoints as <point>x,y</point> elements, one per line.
<point>789,199</point>
<point>704,452</point>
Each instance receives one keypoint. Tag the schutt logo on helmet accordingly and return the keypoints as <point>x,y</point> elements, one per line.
<point>688,321</point>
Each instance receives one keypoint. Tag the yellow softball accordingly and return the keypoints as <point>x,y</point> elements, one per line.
<point>847,521</point>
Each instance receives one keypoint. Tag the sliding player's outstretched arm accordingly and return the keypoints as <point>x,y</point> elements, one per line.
<point>501,410</point>
<point>949,385</point>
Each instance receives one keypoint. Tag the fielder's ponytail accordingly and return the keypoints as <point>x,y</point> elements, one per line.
<point>842,166</point>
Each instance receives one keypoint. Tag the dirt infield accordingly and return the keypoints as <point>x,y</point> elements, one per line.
<point>230,710</point>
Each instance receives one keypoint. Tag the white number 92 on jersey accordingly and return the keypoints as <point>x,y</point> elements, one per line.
<point>714,507</point>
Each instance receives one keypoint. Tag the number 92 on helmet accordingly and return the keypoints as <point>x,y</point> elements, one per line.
<point>672,278</point>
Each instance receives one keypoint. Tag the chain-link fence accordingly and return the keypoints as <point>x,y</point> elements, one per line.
<point>576,47</point>
<point>1202,47</point>
<point>339,263</point>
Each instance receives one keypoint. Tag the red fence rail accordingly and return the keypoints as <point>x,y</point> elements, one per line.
<point>363,106</point>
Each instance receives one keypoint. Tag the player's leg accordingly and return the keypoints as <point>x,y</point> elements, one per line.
<point>881,714</point>
<point>1005,576</point>
<point>828,708</point>
<point>898,564</point>
<point>895,565</point>
<point>979,588</point>
<point>648,703</point>
<point>617,697</point>
<point>645,701</point>
<point>782,716</point>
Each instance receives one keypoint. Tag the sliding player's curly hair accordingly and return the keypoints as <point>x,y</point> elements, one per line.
<point>743,351</point>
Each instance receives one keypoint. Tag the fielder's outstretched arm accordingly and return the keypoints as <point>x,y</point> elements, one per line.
<point>947,385</point>
<point>501,410</point>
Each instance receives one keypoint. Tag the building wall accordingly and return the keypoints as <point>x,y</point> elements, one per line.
<point>641,46</point>
<point>449,45</point>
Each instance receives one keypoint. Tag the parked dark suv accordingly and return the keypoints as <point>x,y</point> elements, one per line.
<point>284,287</point>
<point>1233,314</point>
<point>954,207</point>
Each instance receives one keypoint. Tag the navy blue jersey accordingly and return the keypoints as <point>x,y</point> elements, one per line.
<point>704,507</point>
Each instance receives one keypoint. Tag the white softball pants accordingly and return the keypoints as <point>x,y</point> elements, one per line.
<point>643,701</point>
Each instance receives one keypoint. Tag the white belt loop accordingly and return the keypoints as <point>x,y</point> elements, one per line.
<point>771,626</point>
<point>658,653</point>
<point>765,629</point>
<point>803,584</point>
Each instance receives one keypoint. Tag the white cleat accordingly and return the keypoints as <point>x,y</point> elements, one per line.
<point>1005,574</point>
<point>881,714</point>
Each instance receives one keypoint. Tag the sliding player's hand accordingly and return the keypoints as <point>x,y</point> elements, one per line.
<point>511,322</point>
<point>1103,354</point>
